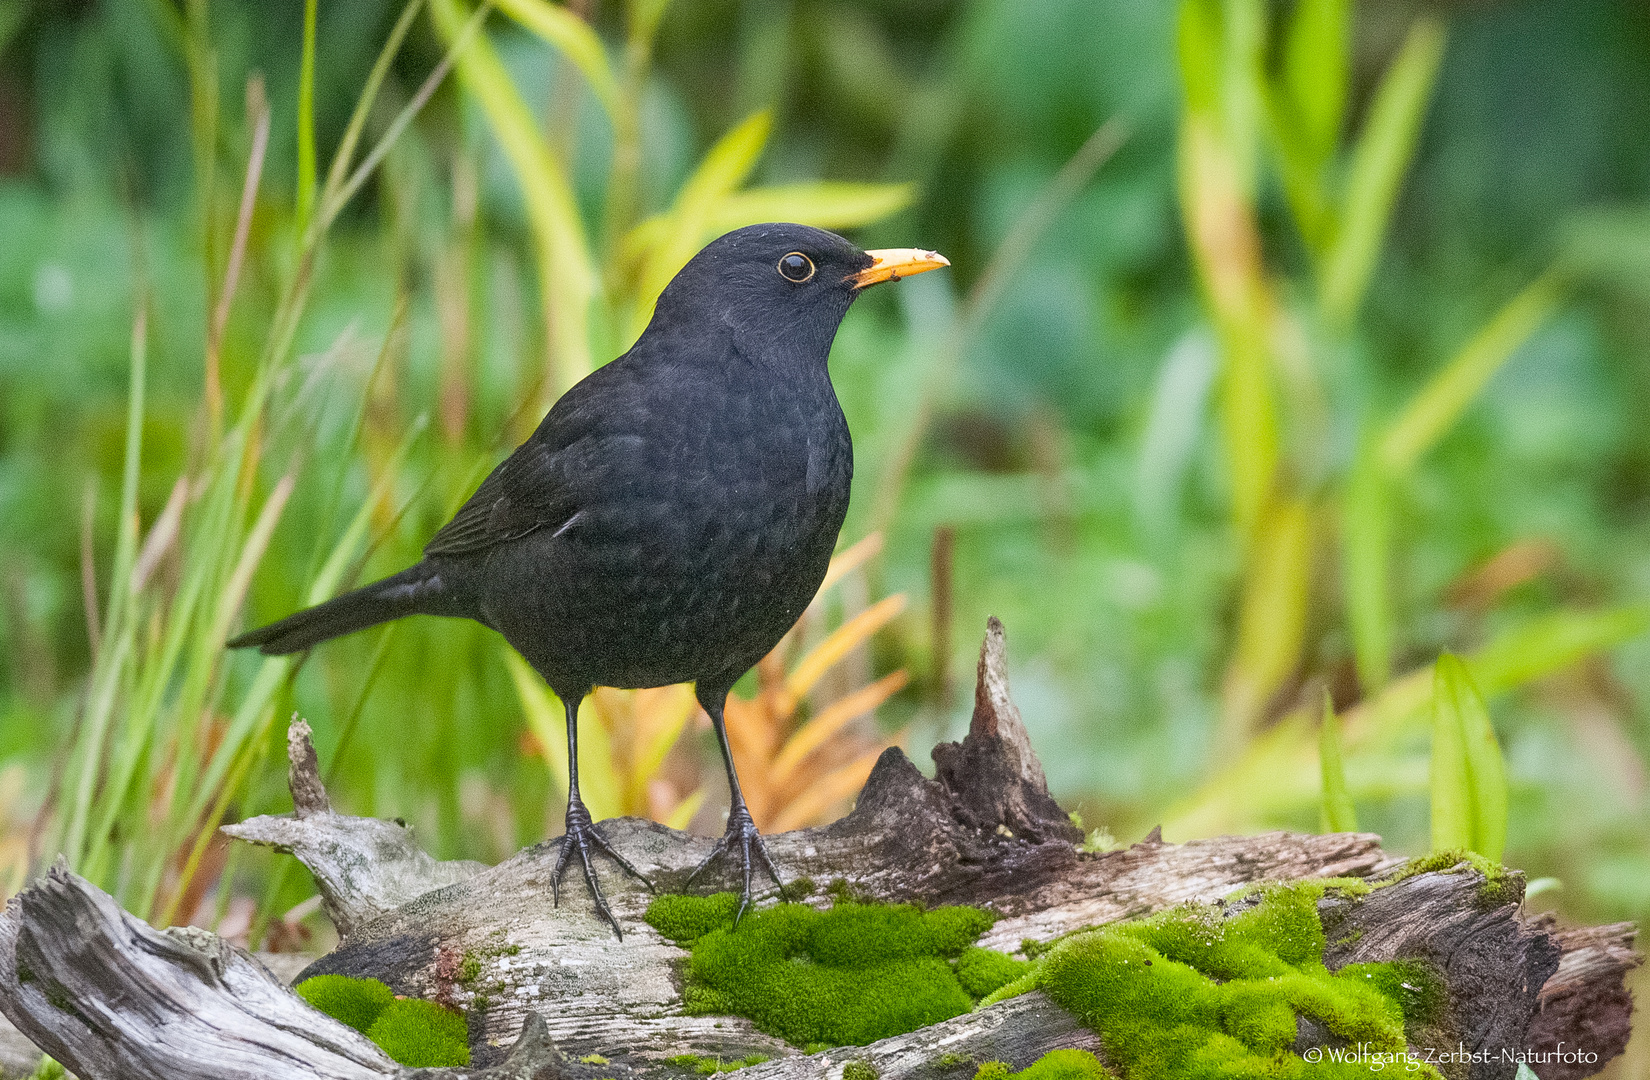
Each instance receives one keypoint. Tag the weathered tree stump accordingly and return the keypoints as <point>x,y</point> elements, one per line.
<point>544,986</point>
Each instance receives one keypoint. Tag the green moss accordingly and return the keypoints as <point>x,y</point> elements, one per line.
<point>1189,992</point>
<point>593,1059</point>
<point>422,1034</point>
<point>993,1070</point>
<point>413,1032</point>
<point>470,970</point>
<point>951,1060</point>
<point>710,1066</point>
<point>48,1069</point>
<point>356,1002</point>
<point>847,976</point>
<point>860,1070</point>
<point>1057,1065</point>
<point>982,971</point>
<point>1501,885</point>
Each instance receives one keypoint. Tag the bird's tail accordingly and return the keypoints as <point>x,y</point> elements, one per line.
<point>417,590</point>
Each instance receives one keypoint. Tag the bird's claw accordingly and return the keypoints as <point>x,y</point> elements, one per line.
<point>741,832</point>
<point>582,836</point>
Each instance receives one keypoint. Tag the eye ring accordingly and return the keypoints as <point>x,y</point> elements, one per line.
<point>796,267</point>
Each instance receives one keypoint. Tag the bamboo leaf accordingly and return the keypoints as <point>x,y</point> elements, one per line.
<point>1440,403</point>
<point>1336,810</point>
<point>1469,782</point>
<point>722,171</point>
<point>574,39</point>
<point>1380,158</point>
<point>1366,543</point>
<point>1553,642</point>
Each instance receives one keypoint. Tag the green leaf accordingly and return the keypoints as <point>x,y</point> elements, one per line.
<point>721,173</point>
<point>574,39</point>
<point>1366,546</point>
<point>1440,403</point>
<point>1315,73</point>
<point>1380,159</point>
<point>1469,781</point>
<point>1337,812</point>
<point>1552,642</point>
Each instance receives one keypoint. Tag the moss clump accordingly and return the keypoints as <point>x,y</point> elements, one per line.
<point>422,1034</point>
<point>356,1002</point>
<point>982,971</point>
<point>1054,1065</point>
<point>412,1032</point>
<point>1191,993</point>
<point>860,1070</point>
<point>593,1059</point>
<point>1501,885</point>
<point>710,1066</point>
<point>847,976</point>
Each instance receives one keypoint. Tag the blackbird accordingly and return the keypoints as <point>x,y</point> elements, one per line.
<point>672,515</point>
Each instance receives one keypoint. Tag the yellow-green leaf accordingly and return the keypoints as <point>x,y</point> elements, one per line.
<point>1469,781</point>
<point>824,204</point>
<point>567,275</point>
<point>1433,411</point>
<point>1337,812</point>
<point>574,39</point>
<point>1366,541</point>
<point>1272,618</point>
<point>1380,159</point>
<point>721,173</point>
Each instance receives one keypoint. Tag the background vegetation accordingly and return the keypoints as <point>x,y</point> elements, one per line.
<point>1286,347</point>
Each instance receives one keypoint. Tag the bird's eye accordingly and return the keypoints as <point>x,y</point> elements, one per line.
<point>796,267</point>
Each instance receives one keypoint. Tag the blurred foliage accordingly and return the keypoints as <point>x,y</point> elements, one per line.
<point>1325,358</point>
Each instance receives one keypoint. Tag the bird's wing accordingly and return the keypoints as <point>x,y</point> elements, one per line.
<point>519,496</point>
<point>583,445</point>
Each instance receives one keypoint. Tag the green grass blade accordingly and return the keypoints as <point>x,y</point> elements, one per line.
<point>1380,159</point>
<point>574,39</point>
<point>118,629</point>
<point>1271,619</point>
<point>306,122</point>
<point>1440,403</point>
<point>1366,546</point>
<point>345,153</point>
<point>1336,810</point>
<point>1469,781</point>
<point>1549,643</point>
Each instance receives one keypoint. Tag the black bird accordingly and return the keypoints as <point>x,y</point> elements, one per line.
<point>673,514</point>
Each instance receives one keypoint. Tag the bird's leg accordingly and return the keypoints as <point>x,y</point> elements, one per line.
<point>581,835</point>
<point>741,834</point>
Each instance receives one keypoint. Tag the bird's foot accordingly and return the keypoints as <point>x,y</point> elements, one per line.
<point>582,837</point>
<point>741,836</point>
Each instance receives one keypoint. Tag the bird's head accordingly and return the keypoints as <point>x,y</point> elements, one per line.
<point>782,286</point>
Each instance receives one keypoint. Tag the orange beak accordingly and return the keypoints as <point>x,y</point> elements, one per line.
<point>894,263</point>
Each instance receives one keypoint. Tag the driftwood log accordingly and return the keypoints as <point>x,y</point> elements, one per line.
<point>545,987</point>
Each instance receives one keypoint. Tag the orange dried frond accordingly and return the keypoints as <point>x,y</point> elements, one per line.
<point>832,719</point>
<point>849,560</point>
<point>844,640</point>
<point>814,805</point>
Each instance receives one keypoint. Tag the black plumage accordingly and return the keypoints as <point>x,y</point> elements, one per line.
<point>674,512</point>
